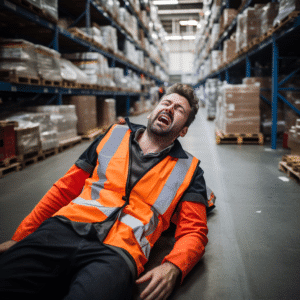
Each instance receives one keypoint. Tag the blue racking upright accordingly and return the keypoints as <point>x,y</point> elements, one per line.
<point>21,21</point>
<point>277,47</point>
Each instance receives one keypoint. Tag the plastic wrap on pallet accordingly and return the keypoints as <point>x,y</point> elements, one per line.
<point>27,137</point>
<point>94,65</point>
<point>216,59</point>
<point>72,73</point>
<point>215,34</point>
<point>269,13</point>
<point>119,78</point>
<point>112,6</point>
<point>238,107</point>
<point>215,10</point>
<point>109,36</point>
<point>48,63</point>
<point>48,135</point>
<point>94,33</point>
<point>248,26</point>
<point>50,7</point>
<point>285,8</point>
<point>212,94</point>
<point>36,3</point>
<point>64,119</point>
<point>18,56</point>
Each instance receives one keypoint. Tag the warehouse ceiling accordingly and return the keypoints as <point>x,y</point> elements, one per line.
<point>173,12</point>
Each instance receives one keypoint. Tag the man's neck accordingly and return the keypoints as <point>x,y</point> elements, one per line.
<point>152,144</point>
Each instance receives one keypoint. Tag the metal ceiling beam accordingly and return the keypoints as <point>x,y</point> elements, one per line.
<point>179,11</point>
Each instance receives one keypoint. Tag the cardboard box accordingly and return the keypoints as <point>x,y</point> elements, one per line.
<point>229,14</point>
<point>86,111</point>
<point>106,112</point>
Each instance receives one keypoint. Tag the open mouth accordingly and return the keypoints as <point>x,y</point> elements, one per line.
<point>165,118</point>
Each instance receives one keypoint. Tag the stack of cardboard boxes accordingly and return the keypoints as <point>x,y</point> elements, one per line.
<point>238,109</point>
<point>294,138</point>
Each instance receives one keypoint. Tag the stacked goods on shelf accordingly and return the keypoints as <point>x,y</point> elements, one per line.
<point>50,8</point>
<point>27,137</point>
<point>133,55</point>
<point>8,141</point>
<point>238,109</point>
<point>112,6</point>
<point>18,59</point>
<point>70,73</point>
<point>265,109</point>
<point>93,32</point>
<point>248,26</point>
<point>86,111</point>
<point>214,34</point>
<point>94,65</point>
<point>285,8</point>
<point>216,59</point>
<point>269,13</point>
<point>63,117</point>
<point>119,78</point>
<point>109,36</point>
<point>229,14</point>
<point>47,132</point>
<point>215,11</point>
<point>106,112</point>
<point>212,93</point>
<point>229,49</point>
<point>294,138</point>
<point>48,66</point>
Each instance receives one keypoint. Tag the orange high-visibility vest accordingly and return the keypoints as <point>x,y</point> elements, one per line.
<point>152,199</point>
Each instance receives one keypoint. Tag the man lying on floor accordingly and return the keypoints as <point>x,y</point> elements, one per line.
<point>91,235</point>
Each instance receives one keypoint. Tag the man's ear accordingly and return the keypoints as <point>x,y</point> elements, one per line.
<point>183,131</point>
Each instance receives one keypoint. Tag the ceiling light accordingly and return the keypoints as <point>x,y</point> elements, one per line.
<point>173,37</point>
<point>189,23</point>
<point>165,2</point>
<point>188,37</point>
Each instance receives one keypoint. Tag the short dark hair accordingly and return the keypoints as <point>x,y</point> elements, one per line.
<point>186,91</point>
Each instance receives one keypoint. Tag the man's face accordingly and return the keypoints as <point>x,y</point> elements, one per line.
<point>170,116</point>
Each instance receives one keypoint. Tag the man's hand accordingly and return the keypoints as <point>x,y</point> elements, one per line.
<point>6,245</point>
<point>162,282</point>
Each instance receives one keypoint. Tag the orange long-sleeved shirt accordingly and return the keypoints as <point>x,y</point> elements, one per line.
<point>190,219</point>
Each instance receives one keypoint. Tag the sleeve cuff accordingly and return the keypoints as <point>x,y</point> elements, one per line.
<point>84,166</point>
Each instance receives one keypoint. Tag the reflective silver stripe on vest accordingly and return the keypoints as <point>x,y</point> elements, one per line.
<point>104,157</point>
<point>106,210</point>
<point>160,206</point>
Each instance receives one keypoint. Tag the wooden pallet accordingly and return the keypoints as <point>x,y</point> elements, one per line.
<point>69,143</point>
<point>239,138</point>
<point>15,167</point>
<point>6,162</point>
<point>12,77</point>
<point>28,159</point>
<point>78,33</point>
<point>285,20</point>
<point>54,83</point>
<point>289,171</point>
<point>69,84</point>
<point>93,133</point>
<point>43,154</point>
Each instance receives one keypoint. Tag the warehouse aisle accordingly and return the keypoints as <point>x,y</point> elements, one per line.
<point>254,245</point>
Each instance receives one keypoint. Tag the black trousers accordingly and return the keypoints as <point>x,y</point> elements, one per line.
<point>56,263</point>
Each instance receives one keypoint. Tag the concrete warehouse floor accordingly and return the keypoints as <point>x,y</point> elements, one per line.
<point>254,244</point>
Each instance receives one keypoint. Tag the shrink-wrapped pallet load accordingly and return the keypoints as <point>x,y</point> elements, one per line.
<point>48,66</point>
<point>86,111</point>
<point>294,138</point>
<point>109,36</point>
<point>48,133</point>
<point>64,119</point>
<point>27,137</point>
<point>212,93</point>
<point>94,33</point>
<point>269,13</point>
<point>18,58</point>
<point>50,8</point>
<point>216,59</point>
<point>248,26</point>
<point>239,109</point>
<point>286,7</point>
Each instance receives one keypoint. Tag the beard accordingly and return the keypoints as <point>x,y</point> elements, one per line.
<point>168,132</point>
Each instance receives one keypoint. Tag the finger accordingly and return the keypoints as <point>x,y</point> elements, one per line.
<point>144,278</point>
<point>153,284</point>
<point>157,292</point>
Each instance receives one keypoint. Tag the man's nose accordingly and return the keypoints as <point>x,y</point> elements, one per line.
<point>170,108</point>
